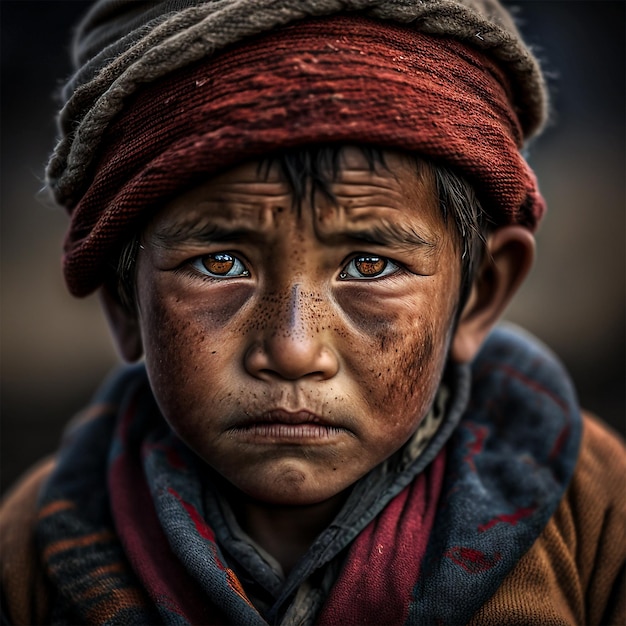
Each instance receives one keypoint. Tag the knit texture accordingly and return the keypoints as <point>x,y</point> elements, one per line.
<point>25,593</point>
<point>435,97</point>
<point>123,537</point>
<point>576,571</point>
<point>572,575</point>
<point>124,47</point>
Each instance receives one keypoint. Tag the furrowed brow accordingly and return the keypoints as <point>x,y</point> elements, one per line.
<point>197,233</point>
<point>395,235</point>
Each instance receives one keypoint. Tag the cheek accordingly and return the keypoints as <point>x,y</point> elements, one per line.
<point>401,362</point>
<point>412,367</point>
<point>172,321</point>
<point>186,343</point>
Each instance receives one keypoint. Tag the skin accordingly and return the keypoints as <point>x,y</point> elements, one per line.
<point>294,351</point>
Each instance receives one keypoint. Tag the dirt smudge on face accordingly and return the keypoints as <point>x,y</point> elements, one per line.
<point>296,314</point>
<point>412,360</point>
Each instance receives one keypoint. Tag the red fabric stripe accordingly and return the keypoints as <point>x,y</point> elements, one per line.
<point>385,560</point>
<point>162,575</point>
<point>342,79</point>
<point>201,526</point>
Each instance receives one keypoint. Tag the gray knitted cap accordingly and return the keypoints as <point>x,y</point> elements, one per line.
<point>123,44</point>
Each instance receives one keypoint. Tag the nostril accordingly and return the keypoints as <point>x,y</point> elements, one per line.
<point>288,359</point>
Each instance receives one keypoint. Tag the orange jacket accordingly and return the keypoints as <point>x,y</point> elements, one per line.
<point>573,574</point>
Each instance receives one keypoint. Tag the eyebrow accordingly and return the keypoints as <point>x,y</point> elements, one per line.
<point>382,234</point>
<point>198,233</point>
<point>388,234</point>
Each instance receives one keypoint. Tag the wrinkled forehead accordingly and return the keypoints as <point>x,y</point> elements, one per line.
<point>353,193</point>
<point>344,78</point>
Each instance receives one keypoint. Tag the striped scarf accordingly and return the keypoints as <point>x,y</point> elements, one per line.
<point>124,539</point>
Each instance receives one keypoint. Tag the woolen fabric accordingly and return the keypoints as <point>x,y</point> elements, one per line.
<point>304,84</point>
<point>449,80</point>
<point>573,574</point>
<point>507,502</point>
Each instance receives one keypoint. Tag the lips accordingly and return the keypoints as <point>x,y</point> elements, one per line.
<point>279,424</point>
<point>281,416</point>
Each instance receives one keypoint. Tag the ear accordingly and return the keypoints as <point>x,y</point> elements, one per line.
<point>124,325</point>
<point>508,258</point>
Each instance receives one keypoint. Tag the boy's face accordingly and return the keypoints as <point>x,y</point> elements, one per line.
<point>294,351</point>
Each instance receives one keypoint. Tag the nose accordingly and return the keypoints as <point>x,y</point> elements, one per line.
<point>294,341</point>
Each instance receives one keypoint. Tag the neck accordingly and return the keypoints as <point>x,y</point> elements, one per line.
<point>286,532</point>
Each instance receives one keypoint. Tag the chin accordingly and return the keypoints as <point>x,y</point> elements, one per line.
<point>290,487</point>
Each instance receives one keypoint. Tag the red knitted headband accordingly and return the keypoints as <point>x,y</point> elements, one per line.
<point>342,79</point>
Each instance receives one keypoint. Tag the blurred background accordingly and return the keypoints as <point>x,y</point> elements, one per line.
<point>56,350</point>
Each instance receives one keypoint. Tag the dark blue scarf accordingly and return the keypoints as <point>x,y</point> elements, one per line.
<point>124,537</point>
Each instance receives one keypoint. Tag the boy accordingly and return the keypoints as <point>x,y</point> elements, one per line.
<point>307,218</point>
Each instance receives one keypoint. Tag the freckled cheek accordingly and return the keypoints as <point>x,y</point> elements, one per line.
<point>190,344</point>
<point>367,318</point>
<point>414,364</point>
<point>401,359</point>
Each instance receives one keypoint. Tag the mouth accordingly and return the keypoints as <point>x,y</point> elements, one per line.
<point>279,425</point>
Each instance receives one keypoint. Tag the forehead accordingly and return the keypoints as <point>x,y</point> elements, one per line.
<point>358,192</point>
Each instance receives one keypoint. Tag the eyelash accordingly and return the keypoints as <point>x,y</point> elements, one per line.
<point>198,267</point>
<point>370,259</point>
<point>224,258</point>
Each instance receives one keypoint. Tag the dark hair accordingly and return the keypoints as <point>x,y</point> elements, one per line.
<point>312,169</point>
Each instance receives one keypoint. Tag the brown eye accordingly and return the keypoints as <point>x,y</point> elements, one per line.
<point>370,265</point>
<point>220,265</point>
<point>363,267</point>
